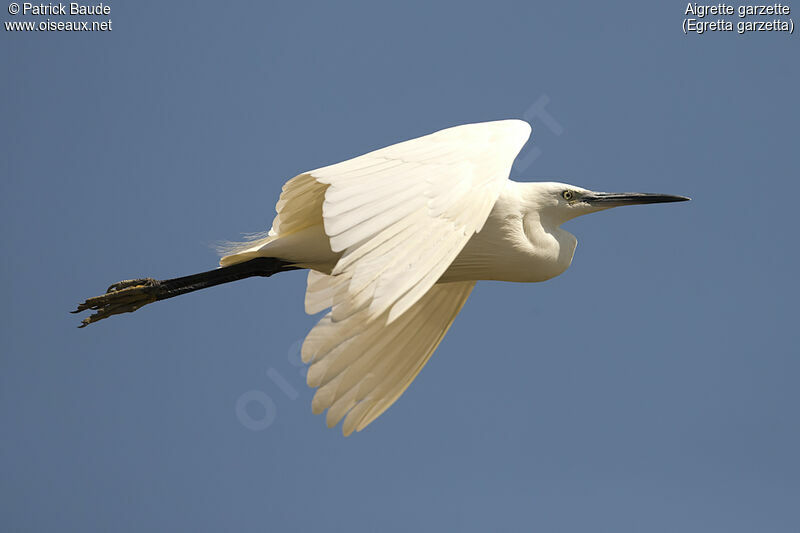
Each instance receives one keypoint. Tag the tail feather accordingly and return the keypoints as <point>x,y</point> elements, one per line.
<point>232,251</point>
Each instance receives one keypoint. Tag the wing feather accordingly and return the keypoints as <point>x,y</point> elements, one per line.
<point>361,371</point>
<point>440,186</point>
<point>395,219</point>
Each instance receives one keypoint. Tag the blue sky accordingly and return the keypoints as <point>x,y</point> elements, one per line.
<point>652,387</point>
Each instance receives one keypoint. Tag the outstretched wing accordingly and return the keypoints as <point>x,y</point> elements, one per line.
<point>397,218</point>
<point>361,368</point>
<point>400,215</point>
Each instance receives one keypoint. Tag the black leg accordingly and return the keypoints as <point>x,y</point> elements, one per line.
<point>129,295</point>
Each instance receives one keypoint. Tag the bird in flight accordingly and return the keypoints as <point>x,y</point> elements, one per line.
<point>394,241</point>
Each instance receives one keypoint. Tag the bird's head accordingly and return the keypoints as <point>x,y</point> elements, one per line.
<point>561,202</point>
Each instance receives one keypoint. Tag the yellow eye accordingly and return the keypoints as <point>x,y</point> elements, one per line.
<point>568,195</point>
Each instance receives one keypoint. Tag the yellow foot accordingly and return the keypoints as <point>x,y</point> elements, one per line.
<point>122,297</point>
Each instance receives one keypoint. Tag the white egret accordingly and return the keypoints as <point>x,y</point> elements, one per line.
<point>394,241</point>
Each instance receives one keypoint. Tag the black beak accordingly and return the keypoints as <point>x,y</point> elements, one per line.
<point>616,199</point>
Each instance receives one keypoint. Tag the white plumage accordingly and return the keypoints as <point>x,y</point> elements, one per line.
<point>378,231</point>
<point>394,241</point>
